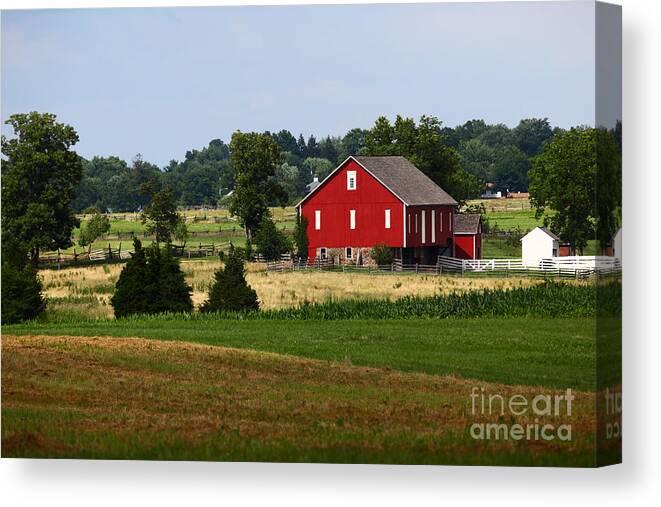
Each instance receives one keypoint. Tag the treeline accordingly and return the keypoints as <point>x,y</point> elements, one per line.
<point>461,159</point>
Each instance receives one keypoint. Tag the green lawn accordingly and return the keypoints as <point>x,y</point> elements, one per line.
<point>509,220</point>
<point>499,248</point>
<point>205,231</point>
<point>547,352</point>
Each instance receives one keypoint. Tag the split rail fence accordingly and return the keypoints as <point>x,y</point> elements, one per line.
<point>108,255</point>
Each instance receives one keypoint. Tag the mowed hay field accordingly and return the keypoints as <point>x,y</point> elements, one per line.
<point>85,292</point>
<point>133,398</point>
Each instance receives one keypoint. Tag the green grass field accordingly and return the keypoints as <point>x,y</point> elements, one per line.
<point>342,391</point>
<point>206,227</point>
<point>523,220</point>
<point>113,398</point>
<point>544,352</point>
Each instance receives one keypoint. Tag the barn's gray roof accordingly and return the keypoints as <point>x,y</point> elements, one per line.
<point>466,223</point>
<point>550,233</point>
<point>405,180</point>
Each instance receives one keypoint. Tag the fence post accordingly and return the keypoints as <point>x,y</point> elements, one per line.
<point>416,267</point>
<point>463,267</point>
<point>109,252</point>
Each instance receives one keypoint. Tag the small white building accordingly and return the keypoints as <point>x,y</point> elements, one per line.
<point>491,194</point>
<point>538,244</point>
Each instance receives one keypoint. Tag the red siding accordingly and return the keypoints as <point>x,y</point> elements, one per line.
<point>443,232</point>
<point>370,199</point>
<point>465,248</point>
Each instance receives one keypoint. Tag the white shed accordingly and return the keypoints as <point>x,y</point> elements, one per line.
<point>538,244</point>
<point>617,244</point>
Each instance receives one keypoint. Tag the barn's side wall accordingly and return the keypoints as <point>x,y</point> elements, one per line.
<point>414,235</point>
<point>370,199</point>
<point>463,246</point>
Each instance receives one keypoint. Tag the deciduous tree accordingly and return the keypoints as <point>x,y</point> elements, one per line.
<point>91,230</point>
<point>255,158</point>
<point>161,216</point>
<point>577,177</point>
<point>423,145</point>
<point>39,177</point>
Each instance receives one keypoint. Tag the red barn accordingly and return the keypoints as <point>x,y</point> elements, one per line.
<point>467,236</point>
<point>370,200</point>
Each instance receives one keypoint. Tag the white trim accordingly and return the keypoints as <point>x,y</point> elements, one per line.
<point>404,222</point>
<point>387,218</point>
<point>433,226</point>
<point>352,219</point>
<point>423,217</point>
<point>440,214</point>
<point>351,157</point>
<point>450,219</point>
<point>317,220</point>
<point>416,222</point>
<point>330,175</point>
<point>352,176</point>
<point>473,246</point>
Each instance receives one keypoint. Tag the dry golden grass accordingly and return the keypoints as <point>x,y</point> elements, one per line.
<point>137,398</point>
<point>278,290</point>
<point>87,290</point>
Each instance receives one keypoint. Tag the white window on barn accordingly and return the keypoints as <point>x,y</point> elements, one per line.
<point>317,219</point>
<point>387,219</point>
<point>322,253</point>
<point>440,216</point>
<point>409,229</point>
<point>352,219</point>
<point>424,229</point>
<point>416,223</point>
<point>450,221</point>
<point>433,226</point>
<point>349,252</point>
<point>351,180</point>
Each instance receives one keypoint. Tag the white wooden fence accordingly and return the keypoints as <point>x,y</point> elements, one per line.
<point>574,266</point>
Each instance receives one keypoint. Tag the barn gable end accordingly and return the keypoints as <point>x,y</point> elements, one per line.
<point>367,201</point>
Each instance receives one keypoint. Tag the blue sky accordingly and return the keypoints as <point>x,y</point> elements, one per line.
<point>162,81</point>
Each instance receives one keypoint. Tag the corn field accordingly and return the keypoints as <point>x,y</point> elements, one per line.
<point>548,299</point>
